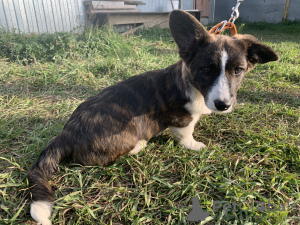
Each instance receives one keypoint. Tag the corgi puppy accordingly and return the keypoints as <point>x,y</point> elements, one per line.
<point>122,118</point>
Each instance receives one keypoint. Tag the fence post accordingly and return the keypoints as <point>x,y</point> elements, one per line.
<point>286,10</point>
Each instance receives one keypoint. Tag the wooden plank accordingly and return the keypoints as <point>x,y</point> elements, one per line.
<point>3,22</point>
<point>134,2</point>
<point>157,22</point>
<point>286,10</point>
<point>114,7</point>
<point>115,19</point>
<point>164,25</point>
<point>163,19</point>
<point>92,3</point>
<point>114,11</point>
<point>172,3</point>
<point>204,7</point>
<point>98,20</point>
<point>144,17</point>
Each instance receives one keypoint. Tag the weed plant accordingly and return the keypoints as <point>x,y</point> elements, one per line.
<point>252,153</point>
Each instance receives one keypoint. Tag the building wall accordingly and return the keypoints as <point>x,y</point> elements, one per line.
<point>49,16</point>
<point>256,10</point>
<point>41,16</point>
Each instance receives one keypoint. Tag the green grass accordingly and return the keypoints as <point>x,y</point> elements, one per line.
<point>252,153</point>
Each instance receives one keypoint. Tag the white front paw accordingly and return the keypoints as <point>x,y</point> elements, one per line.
<point>192,144</point>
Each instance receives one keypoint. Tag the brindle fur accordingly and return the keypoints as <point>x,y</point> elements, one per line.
<point>110,124</point>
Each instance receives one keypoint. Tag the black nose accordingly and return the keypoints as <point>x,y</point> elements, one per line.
<point>220,105</point>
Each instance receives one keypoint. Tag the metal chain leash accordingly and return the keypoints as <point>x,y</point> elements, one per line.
<point>230,23</point>
<point>235,12</point>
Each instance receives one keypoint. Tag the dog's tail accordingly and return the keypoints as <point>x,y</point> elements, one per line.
<point>38,176</point>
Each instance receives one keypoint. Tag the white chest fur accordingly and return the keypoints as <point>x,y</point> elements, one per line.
<point>196,107</point>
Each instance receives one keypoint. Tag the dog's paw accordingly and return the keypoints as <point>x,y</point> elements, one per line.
<point>192,144</point>
<point>138,147</point>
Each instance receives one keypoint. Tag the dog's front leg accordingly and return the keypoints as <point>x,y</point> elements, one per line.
<point>185,136</point>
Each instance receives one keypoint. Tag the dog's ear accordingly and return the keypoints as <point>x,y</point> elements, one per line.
<point>257,52</point>
<point>187,31</point>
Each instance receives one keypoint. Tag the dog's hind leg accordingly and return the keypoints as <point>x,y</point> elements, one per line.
<point>185,136</point>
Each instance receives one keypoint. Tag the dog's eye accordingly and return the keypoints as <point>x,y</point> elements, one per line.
<point>238,71</point>
<point>207,70</point>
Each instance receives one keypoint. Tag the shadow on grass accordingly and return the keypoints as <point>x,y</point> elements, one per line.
<point>162,52</point>
<point>155,34</point>
<point>272,32</point>
<point>269,97</point>
<point>51,92</point>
